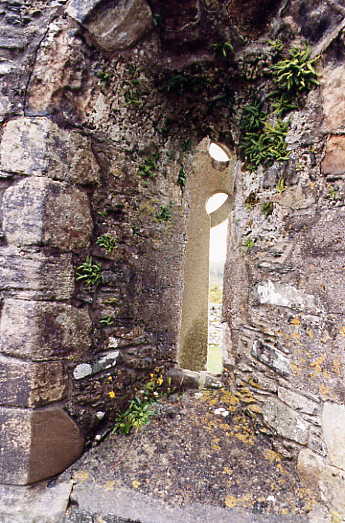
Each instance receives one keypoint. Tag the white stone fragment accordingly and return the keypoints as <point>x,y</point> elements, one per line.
<point>82,370</point>
<point>284,295</point>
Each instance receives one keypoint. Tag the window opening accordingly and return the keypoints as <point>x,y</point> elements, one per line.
<point>217,256</point>
<point>217,153</point>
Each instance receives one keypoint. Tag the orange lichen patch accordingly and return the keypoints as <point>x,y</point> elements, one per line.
<point>81,475</point>
<point>310,333</point>
<point>337,367</point>
<point>234,501</point>
<point>272,456</point>
<point>109,485</point>
<point>295,321</point>
<point>295,368</point>
<point>342,330</point>
<point>324,391</point>
<point>255,408</point>
<point>317,365</point>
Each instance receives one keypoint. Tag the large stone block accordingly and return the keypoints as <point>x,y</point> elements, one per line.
<point>25,384</point>
<point>333,89</point>
<point>44,330</point>
<point>37,146</point>
<point>317,475</point>
<point>272,357</point>
<point>39,211</point>
<point>333,426</point>
<point>334,160</point>
<point>285,295</point>
<point>288,423</point>
<point>113,28</point>
<point>37,444</point>
<point>34,275</point>
<point>297,401</point>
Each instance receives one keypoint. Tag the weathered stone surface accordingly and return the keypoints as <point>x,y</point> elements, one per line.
<point>34,275</point>
<point>114,28</point>
<point>284,295</point>
<point>297,401</point>
<point>37,146</point>
<point>107,361</point>
<point>44,330</point>
<point>34,504</point>
<point>333,86</point>
<point>39,211</point>
<point>333,426</point>
<point>81,9</point>
<point>285,421</point>
<point>59,66</point>
<point>24,384</point>
<point>317,475</point>
<point>272,357</point>
<point>36,444</point>
<point>334,160</point>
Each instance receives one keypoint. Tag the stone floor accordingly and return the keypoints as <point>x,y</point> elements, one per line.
<point>205,456</point>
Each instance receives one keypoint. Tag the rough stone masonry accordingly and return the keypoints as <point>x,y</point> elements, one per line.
<point>106,112</point>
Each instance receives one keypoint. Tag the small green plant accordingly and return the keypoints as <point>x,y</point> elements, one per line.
<point>104,76</point>
<point>164,214</point>
<point>333,193</point>
<point>265,147</point>
<point>111,301</point>
<point>186,145</point>
<point>181,178</point>
<point>104,214</point>
<point>267,209</point>
<point>296,73</point>
<point>223,49</point>
<point>282,104</point>
<point>138,414</point>
<point>106,321</point>
<point>253,118</point>
<point>149,167</point>
<point>107,242</point>
<point>277,46</point>
<point>89,273</point>
<point>281,187</point>
<point>251,201</point>
<point>180,83</point>
<point>249,243</point>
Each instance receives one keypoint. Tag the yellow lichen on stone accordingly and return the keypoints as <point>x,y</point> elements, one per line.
<point>81,475</point>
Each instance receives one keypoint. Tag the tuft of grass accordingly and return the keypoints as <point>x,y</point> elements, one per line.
<point>136,416</point>
<point>249,243</point>
<point>265,147</point>
<point>281,187</point>
<point>267,209</point>
<point>223,49</point>
<point>253,118</point>
<point>181,178</point>
<point>296,73</point>
<point>148,169</point>
<point>89,273</point>
<point>107,242</point>
<point>106,321</point>
<point>164,214</point>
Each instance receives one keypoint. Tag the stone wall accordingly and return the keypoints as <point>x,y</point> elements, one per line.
<point>103,106</point>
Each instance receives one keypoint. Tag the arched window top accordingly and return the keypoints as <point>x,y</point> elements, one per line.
<point>218,153</point>
<point>215,202</point>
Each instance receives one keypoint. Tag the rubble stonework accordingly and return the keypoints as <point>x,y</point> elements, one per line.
<point>94,141</point>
